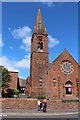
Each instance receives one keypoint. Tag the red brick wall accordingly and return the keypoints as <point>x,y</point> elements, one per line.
<point>27,89</point>
<point>79,86</point>
<point>14,78</point>
<point>57,105</point>
<point>19,103</point>
<point>25,103</point>
<point>55,72</point>
<point>38,65</point>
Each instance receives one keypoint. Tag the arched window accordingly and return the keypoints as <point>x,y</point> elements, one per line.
<point>54,82</point>
<point>68,86</point>
<point>40,82</point>
<point>40,46</point>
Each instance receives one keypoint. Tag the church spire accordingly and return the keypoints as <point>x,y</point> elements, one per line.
<point>39,26</point>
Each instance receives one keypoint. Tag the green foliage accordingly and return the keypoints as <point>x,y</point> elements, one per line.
<point>69,101</point>
<point>63,94</point>
<point>10,93</point>
<point>5,77</point>
<point>35,97</point>
<point>4,95</point>
<point>44,96</point>
<point>7,94</point>
<point>16,91</point>
<point>47,98</point>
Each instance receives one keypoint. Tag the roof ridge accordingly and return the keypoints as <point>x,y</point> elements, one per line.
<point>62,53</point>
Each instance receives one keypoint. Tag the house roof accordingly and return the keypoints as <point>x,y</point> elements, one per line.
<point>24,83</point>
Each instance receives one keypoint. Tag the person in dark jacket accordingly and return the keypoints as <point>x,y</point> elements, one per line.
<point>44,105</point>
<point>40,104</point>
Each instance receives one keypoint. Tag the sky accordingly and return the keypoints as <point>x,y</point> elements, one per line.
<point>18,21</point>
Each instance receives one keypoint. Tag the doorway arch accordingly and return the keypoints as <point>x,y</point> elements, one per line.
<point>68,88</point>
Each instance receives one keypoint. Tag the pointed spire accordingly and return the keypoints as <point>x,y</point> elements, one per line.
<point>45,30</point>
<point>39,26</point>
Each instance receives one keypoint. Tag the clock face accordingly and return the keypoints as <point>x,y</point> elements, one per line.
<point>66,67</point>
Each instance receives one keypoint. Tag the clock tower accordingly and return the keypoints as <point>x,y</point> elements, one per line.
<point>39,61</point>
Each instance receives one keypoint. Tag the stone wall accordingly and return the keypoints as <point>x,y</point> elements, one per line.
<point>57,105</point>
<point>24,103</point>
<point>19,103</point>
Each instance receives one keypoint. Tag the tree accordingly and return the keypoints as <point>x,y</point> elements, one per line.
<point>1,67</point>
<point>6,78</point>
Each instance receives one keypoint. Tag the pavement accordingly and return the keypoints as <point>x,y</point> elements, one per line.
<point>23,113</point>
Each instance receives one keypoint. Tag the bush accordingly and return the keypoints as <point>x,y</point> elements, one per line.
<point>69,101</point>
<point>44,96</point>
<point>47,98</point>
<point>9,93</point>
<point>16,91</point>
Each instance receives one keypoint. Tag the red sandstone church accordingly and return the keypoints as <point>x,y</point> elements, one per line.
<point>58,79</point>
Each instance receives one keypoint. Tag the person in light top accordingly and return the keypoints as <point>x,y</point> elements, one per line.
<point>38,104</point>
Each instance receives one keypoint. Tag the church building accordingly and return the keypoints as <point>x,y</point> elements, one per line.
<point>58,79</point>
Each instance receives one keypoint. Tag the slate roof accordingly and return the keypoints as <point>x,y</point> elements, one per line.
<point>24,83</point>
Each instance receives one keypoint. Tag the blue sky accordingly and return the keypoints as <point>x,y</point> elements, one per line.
<point>18,20</point>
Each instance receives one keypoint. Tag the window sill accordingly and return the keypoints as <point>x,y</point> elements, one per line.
<point>40,50</point>
<point>40,87</point>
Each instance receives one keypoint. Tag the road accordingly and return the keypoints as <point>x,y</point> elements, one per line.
<point>10,113</point>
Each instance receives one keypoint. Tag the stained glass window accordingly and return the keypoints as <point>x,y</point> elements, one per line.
<point>66,67</point>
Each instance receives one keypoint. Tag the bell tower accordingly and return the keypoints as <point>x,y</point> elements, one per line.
<point>39,61</point>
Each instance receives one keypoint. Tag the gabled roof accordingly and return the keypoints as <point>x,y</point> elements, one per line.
<point>39,26</point>
<point>64,52</point>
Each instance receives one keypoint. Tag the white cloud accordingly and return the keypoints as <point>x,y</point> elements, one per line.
<point>53,41</point>
<point>1,42</point>
<point>24,34</point>
<point>24,63</point>
<point>49,4</point>
<point>26,44</point>
<point>51,0</point>
<point>21,33</point>
<point>9,28</point>
<point>11,47</point>
<point>6,62</point>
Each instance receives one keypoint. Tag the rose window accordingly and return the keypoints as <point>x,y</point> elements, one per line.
<point>66,67</point>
